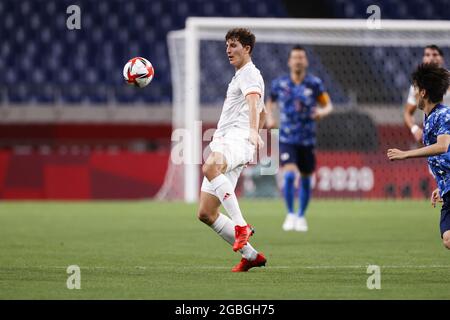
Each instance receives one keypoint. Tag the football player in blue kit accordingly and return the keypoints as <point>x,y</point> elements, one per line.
<point>302,100</point>
<point>430,84</point>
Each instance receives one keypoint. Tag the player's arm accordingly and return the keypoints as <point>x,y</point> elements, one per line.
<point>262,118</point>
<point>435,197</point>
<point>440,147</point>
<point>325,106</point>
<point>272,105</point>
<point>253,101</point>
<point>408,117</point>
<point>270,119</point>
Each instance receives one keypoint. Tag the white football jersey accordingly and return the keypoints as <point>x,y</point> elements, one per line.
<point>235,110</point>
<point>412,97</point>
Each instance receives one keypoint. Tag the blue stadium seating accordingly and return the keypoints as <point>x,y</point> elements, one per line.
<point>392,9</point>
<point>52,63</point>
<point>41,61</point>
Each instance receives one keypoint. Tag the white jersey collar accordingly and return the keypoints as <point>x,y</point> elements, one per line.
<point>248,64</point>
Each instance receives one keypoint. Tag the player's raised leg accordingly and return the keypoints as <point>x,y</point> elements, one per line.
<point>213,170</point>
<point>209,214</point>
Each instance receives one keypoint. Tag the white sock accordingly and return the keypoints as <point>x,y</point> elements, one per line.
<point>225,192</point>
<point>225,228</point>
<point>248,252</point>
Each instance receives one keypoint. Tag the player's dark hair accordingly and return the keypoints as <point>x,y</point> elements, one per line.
<point>297,47</point>
<point>243,35</point>
<point>434,79</point>
<point>435,47</point>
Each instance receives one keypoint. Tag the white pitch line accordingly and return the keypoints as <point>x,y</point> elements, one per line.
<point>433,266</point>
<point>337,267</point>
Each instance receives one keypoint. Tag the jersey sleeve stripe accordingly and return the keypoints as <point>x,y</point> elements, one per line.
<point>251,92</point>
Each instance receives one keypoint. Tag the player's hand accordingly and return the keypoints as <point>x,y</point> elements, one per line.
<point>270,123</point>
<point>435,197</point>
<point>255,139</point>
<point>395,154</point>
<point>317,114</point>
<point>418,135</point>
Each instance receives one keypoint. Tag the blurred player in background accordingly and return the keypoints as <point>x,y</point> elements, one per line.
<point>431,54</point>
<point>302,100</point>
<point>430,84</point>
<point>233,146</point>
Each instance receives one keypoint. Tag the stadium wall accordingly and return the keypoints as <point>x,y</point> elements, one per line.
<point>129,161</point>
<point>98,175</point>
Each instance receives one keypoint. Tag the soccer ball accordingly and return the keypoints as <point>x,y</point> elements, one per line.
<point>138,72</point>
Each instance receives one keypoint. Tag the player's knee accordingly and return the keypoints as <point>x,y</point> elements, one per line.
<point>446,239</point>
<point>205,168</point>
<point>210,171</point>
<point>289,176</point>
<point>446,242</point>
<point>204,216</point>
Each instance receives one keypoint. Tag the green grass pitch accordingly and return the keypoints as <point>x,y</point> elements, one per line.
<point>155,250</point>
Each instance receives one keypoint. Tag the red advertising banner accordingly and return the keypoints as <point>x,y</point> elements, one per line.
<point>128,175</point>
<point>98,175</point>
<point>371,175</point>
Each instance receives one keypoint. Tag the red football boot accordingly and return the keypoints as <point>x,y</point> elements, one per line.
<point>245,264</point>
<point>241,236</point>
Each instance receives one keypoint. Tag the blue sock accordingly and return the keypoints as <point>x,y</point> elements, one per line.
<point>288,191</point>
<point>304,195</point>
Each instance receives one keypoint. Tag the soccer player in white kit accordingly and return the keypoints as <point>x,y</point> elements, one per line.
<point>233,146</point>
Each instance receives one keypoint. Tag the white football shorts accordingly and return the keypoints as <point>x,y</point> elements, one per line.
<point>238,152</point>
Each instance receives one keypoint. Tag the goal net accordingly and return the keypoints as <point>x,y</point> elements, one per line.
<point>365,71</point>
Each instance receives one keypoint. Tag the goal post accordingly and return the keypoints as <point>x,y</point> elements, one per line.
<point>346,47</point>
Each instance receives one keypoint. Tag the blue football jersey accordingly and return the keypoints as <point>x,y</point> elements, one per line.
<point>435,124</point>
<point>296,103</point>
